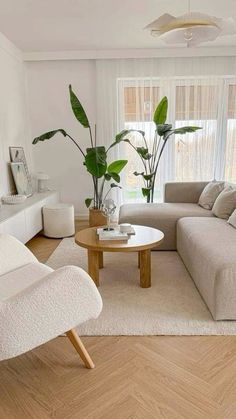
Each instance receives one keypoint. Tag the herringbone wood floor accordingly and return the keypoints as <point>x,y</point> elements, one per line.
<point>135,377</point>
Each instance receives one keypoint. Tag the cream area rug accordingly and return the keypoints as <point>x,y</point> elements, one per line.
<point>172,306</point>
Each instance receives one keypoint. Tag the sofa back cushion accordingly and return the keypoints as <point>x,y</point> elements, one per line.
<point>225,203</point>
<point>232,219</point>
<point>183,192</point>
<point>210,193</point>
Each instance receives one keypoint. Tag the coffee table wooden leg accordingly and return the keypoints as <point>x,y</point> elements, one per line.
<point>101,265</point>
<point>139,260</point>
<point>145,268</point>
<point>93,265</point>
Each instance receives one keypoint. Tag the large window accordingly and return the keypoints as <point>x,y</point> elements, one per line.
<point>206,102</point>
<point>194,154</point>
<point>139,104</point>
<point>230,154</point>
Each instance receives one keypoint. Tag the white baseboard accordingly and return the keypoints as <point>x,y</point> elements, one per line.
<point>82,217</point>
<point>85,217</point>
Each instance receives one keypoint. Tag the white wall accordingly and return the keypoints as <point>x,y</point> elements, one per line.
<point>13,111</point>
<point>49,108</point>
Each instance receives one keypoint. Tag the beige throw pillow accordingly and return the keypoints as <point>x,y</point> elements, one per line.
<point>232,219</point>
<point>225,203</point>
<point>209,194</point>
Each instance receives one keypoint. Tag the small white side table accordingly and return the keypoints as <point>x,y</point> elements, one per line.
<point>58,220</point>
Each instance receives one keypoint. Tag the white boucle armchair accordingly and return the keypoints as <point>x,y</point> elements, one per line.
<point>38,304</point>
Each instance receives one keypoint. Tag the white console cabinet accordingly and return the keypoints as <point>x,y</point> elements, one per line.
<point>25,220</point>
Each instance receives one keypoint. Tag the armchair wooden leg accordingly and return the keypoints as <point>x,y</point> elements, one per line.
<point>80,348</point>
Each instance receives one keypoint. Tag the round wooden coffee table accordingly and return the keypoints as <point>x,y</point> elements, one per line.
<point>145,239</point>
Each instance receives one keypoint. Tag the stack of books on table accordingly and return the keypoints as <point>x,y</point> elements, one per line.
<point>115,234</point>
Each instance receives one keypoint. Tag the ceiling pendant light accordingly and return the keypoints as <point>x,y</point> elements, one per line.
<point>188,35</point>
<point>190,29</point>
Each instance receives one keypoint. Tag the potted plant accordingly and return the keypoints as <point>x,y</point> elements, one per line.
<point>95,161</point>
<point>151,155</point>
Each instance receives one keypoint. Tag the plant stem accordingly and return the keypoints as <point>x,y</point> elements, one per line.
<point>91,136</point>
<point>145,142</point>
<point>143,161</point>
<point>101,191</point>
<point>77,145</point>
<point>156,153</point>
<point>156,167</point>
<point>155,149</point>
<point>107,194</point>
<point>97,194</point>
<point>95,191</point>
<point>95,181</point>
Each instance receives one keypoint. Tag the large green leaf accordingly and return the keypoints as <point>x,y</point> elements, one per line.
<point>48,135</point>
<point>160,113</point>
<point>138,173</point>
<point>116,166</point>
<point>162,128</point>
<point>121,136</point>
<point>115,177</point>
<point>149,176</point>
<point>88,202</point>
<point>113,185</point>
<point>95,161</point>
<point>78,109</point>
<point>145,176</point>
<point>167,134</point>
<point>143,152</point>
<point>146,192</point>
<point>183,130</point>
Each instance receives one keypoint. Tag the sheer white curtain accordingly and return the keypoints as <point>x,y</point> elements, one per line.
<point>197,103</point>
<point>200,92</point>
<point>230,151</point>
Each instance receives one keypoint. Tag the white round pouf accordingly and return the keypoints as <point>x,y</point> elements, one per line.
<point>58,220</point>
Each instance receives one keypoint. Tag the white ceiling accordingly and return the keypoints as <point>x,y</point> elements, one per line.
<point>67,25</point>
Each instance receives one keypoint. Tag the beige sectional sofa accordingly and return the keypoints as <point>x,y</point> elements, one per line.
<point>206,244</point>
<point>180,200</point>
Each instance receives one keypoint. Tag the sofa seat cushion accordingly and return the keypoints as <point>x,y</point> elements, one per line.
<point>207,247</point>
<point>163,216</point>
<point>19,279</point>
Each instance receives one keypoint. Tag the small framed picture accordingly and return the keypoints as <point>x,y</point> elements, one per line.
<point>17,155</point>
<point>23,186</point>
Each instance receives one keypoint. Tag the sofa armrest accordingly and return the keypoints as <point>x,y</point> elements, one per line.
<point>183,192</point>
<point>13,254</point>
<point>60,301</point>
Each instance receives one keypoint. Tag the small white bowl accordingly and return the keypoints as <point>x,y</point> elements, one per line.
<point>125,228</point>
<point>13,199</point>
